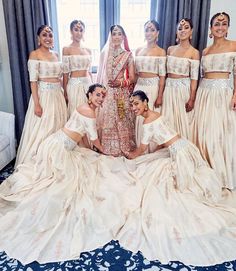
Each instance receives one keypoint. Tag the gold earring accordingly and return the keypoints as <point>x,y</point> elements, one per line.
<point>177,40</point>
<point>146,108</point>
<point>89,101</point>
<point>190,37</point>
<point>210,36</point>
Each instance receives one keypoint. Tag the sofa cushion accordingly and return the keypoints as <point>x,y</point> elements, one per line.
<point>4,142</point>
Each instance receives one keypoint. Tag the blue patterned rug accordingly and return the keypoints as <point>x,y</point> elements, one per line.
<point>111,257</point>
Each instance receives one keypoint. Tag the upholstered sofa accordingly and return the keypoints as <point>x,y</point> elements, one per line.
<point>7,138</point>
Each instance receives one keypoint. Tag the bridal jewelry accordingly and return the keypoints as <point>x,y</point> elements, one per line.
<point>117,52</point>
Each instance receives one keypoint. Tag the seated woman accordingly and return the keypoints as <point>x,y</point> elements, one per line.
<point>181,217</point>
<point>73,202</point>
<point>69,201</point>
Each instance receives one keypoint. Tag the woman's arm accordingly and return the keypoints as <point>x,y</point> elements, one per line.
<point>137,152</point>
<point>38,111</point>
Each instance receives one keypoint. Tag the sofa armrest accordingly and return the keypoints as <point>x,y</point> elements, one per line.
<point>7,127</point>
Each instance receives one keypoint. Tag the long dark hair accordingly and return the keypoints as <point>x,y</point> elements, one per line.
<point>141,94</point>
<point>41,28</point>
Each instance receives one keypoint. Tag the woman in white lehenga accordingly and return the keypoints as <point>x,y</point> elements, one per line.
<point>47,110</point>
<point>181,218</point>
<point>150,65</point>
<point>215,117</point>
<point>72,201</point>
<point>76,68</point>
<point>181,83</point>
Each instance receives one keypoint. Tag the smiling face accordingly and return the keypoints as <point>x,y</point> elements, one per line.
<point>45,37</point>
<point>117,36</point>
<point>97,96</point>
<point>77,32</point>
<point>220,26</point>
<point>184,30</point>
<point>150,32</point>
<point>138,106</point>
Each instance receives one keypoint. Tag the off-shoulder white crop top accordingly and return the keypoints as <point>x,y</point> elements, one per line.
<point>76,63</point>
<point>152,64</point>
<point>40,69</point>
<point>82,125</point>
<point>222,62</point>
<point>183,66</point>
<point>157,131</point>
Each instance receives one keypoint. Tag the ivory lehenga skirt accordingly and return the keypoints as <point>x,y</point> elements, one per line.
<point>76,90</point>
<point>215,128</point>
<point>176,95</point>
<point>36,129</point>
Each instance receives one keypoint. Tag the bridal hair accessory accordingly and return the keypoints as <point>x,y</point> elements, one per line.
<point>148,25</point>
<point>116,28</point>
<point>182,22</point>
<point>221,17</point>
<point>48,29</point>
<point>79,25</point>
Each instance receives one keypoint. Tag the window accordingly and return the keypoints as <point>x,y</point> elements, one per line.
<point>86,11</point>
<point>133,15</point>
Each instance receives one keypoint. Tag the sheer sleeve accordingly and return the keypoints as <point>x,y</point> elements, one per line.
<point>194,69</point>
<point>66,64</point>
<point>162,66</point>
<point>147,133</point>
<point>91,129</point>
<point>33,68</point>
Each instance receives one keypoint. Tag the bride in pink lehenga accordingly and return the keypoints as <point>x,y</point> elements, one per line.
<point>116,72</point>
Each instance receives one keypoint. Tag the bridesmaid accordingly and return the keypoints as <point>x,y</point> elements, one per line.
<point>76,67</point>
<point>47,108</point>
<point>215,116</point>
<point>181,84</point>
<point>150,65</point>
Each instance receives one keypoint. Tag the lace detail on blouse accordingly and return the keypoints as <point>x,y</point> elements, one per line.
<point>157,131</point>
<point>82,125</point>
<point>183,66</point>
<point>76,63</point>
<point>152,64</point>
<point>39,69</point>
<point>222,62</point>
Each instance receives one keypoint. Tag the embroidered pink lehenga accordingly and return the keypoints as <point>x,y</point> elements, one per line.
<point>115,119</point>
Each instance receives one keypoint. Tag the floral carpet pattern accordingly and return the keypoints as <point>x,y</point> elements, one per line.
<point>111,257</point>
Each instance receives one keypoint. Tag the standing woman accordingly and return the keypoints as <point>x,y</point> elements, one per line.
<point>116,72</point>
<point>181,84</point>
<point>150,65</point>
<point>215,116</point>
<point>76,66</point>
<point>47,108</point>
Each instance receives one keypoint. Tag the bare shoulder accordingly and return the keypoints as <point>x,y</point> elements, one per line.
<point>152,117</point>
<point>161,51</point>
<point>195,54</point>
<point>86,111</point>
<point>88,51</point>
<point>206,50</point>
<point>138,50</point>
<point>170,49</point>
<point>55,54</point>
<point>34,55</point>
<point>233,44</point>
<point>66,50</point>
